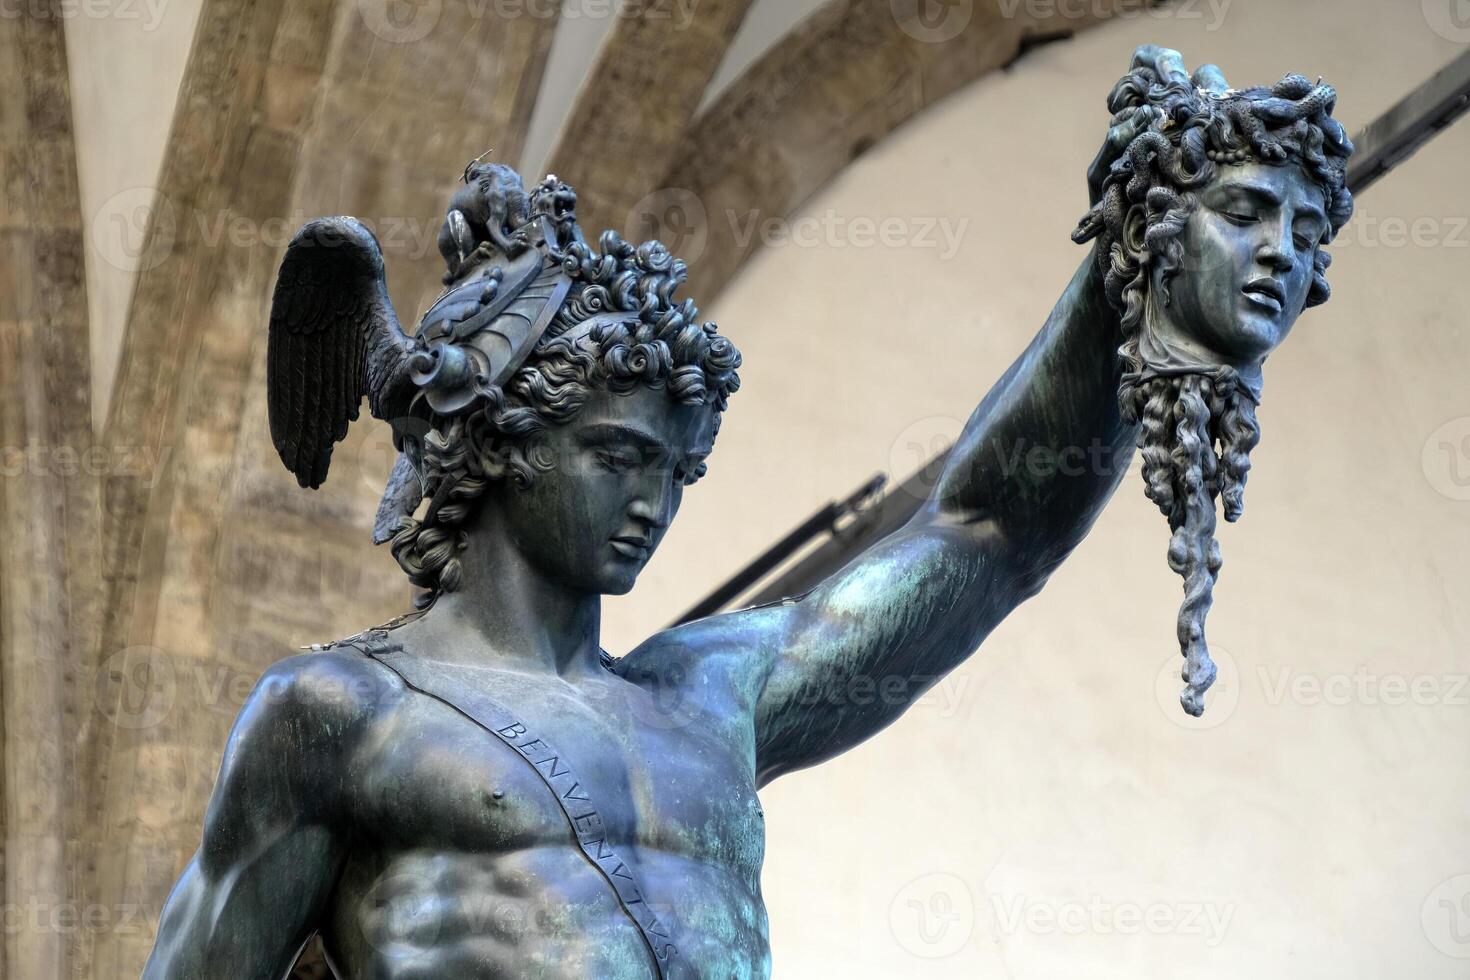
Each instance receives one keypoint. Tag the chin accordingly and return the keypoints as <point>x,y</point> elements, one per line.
<point>619,588</point>
<point>1253,336</point>
<point>619,581</point>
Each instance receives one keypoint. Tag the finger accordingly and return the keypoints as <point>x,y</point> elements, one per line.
<point>1126,131</point>
<point>1165,62</point>
<point>1119,137</point>
<point>1211,79</point>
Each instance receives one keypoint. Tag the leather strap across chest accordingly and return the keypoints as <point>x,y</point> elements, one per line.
<point>582,813</point>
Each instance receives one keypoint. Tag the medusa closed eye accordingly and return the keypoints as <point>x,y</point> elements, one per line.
<point>1239,217</point>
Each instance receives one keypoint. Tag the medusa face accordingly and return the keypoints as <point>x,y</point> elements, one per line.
<point>616,476</point>
<point>1246,266</point>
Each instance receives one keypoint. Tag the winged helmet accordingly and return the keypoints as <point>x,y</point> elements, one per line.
<point>335,338</point>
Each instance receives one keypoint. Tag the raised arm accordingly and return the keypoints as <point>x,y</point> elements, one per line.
<point>1028,476</point>
<point>273,844</point>
<point>1022,486</point>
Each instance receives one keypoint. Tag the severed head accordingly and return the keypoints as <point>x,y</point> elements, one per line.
<point>1211,225</point>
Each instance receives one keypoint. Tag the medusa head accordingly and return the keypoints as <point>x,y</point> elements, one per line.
<point>1211,226</point>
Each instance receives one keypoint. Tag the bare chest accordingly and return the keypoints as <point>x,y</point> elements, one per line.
<point>657,773</point>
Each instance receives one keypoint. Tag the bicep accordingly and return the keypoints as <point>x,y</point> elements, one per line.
<point>878,634</point>
<point>249,918</point>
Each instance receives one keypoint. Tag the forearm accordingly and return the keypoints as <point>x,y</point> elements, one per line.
<point>1022,486</point>
<point>1046,447</point>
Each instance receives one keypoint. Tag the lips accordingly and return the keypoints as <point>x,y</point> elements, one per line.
<point>1266,292</point>
<point>637,549</point>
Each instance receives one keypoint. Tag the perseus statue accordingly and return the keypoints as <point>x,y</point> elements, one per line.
<point>478,789</point>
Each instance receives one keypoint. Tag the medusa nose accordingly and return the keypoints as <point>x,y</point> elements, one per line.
<point>1278,251</point>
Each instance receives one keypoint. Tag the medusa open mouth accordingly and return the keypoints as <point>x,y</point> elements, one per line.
<point>1266,292</point>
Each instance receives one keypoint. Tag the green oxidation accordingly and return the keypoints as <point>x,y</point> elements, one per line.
<point>733,837</point>
<point>898,592</point>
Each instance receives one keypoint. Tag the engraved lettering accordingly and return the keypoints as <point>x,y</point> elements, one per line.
<point>535,745</point>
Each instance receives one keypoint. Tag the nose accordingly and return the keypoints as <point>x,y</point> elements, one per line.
<point>1278,251</point>
<point>654,505</point>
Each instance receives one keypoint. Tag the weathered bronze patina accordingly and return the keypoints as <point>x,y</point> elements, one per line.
<point>479,790</point>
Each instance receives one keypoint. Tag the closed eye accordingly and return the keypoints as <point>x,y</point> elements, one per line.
<point>615,460</point>
<point>1309,236</point>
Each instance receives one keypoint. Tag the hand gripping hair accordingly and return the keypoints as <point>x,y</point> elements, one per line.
<point>1173,135</point>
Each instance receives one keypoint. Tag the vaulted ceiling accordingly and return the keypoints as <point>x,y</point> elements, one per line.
<point>186,552</point>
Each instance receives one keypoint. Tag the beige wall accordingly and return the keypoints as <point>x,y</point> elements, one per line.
<point>1054,780</point>
<point>1054,776</point>
<point>126,58</point>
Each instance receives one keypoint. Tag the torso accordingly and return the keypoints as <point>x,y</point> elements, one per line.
<point>463,865</point>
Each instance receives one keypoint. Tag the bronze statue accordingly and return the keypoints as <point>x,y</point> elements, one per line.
<point>478,789</point>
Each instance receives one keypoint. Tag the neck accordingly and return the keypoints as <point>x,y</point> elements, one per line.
<point>1167,349</point>
<point>507,613</point>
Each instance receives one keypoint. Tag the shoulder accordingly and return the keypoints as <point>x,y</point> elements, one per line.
<point>337,684</point>
<point>284,766</point>
<point>312,709</point>
<point>736,648</point>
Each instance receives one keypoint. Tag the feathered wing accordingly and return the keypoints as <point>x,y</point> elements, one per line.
<point>401,498</point>
<point>334,338</point>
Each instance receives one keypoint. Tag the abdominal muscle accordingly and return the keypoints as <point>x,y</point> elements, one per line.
<point>543,912</point>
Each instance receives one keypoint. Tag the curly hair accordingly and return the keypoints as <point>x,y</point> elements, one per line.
<point>1186,131</point>
<point>660,344</point>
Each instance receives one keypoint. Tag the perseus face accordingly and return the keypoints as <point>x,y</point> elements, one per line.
<point>1249,251</point>
<point>619,468</point>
